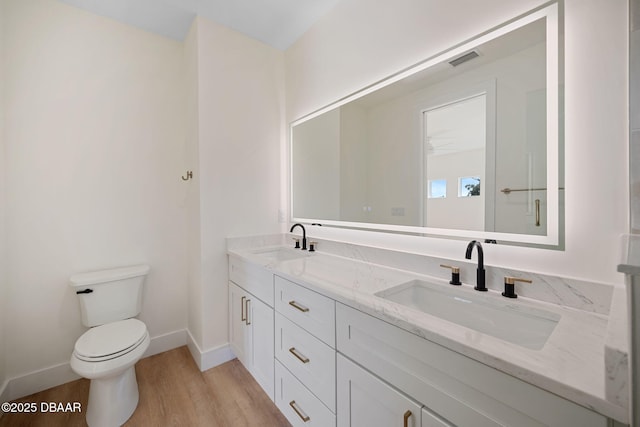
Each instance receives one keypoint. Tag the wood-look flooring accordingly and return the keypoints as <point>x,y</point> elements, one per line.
<point>173,392</point>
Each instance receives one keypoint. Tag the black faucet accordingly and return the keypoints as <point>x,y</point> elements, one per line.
<point>304,235</point>
<point>480,285</point>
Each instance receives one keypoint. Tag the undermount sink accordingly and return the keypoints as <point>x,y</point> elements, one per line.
<point>281,253</point>
<point>506,320</point>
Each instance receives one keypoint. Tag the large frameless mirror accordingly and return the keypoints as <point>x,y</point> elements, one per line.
<point>464,144</point>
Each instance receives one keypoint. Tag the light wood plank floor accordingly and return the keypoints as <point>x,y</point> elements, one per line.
<point>173,392</point>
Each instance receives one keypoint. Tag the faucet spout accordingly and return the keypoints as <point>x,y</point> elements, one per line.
<point>480,275</point>
<point>304,235</point>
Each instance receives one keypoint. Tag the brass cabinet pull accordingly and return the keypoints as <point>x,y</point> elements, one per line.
<point>247,309</point>
<point>537,212</point>
<point>298,306</point>
<point>243,316</point>
<point>301,357</point>
<point>406,418</point>
<point>304,417</point>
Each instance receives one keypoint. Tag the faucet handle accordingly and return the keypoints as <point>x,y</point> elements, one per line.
<point>509,286</point>
<point>295,239</point>
<point>455,274</point>
<point>312,246</point>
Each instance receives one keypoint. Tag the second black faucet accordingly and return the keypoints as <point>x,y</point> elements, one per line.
<point>480,282</point>
<point>304,235</point>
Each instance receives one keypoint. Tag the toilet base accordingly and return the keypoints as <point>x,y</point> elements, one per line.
<point>112,400</point>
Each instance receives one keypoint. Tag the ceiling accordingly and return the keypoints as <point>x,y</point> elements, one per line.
<point>278,23</point>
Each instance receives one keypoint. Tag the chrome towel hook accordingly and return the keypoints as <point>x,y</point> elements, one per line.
<point>188,177</point>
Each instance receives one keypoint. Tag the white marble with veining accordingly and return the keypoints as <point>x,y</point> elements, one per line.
<point>624,327</point>
<point>576,293</point>
<point>571,364</point>
<point>616,354</point>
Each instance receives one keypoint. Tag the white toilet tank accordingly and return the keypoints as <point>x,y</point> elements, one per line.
<point>110,295</point>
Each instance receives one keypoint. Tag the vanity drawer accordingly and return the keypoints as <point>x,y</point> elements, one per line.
<point>298,404</point>
<point>458,388</point>
<point>252,278</point>
<point>309,359</point>
<point>308,309</point>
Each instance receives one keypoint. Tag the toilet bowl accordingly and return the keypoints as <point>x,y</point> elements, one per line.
<point>107,353</point>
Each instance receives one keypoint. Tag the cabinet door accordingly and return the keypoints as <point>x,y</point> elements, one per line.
<point>239,333</point>
<point>366,401</point>
<point>260,320</point>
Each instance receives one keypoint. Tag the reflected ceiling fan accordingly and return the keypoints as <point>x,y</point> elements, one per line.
<point>439,142</point>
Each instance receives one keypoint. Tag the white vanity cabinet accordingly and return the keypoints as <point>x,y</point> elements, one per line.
<point>305,355</point>
<point>327,364</point>
<point>461,391</point>
<point>251,321</point>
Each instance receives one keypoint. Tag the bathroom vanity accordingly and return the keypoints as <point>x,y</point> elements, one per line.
<point>347,339</point>
<point>467,144</point>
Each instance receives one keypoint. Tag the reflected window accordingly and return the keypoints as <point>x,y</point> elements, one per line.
<point>468,186</point>
<point>437,188</point>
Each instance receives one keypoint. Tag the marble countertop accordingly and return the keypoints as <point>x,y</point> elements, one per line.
<point>571,364</point>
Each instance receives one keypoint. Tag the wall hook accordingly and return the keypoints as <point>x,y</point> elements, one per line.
<point>188,177</point>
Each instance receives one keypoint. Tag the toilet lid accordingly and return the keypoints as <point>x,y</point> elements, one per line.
<point>110,340</point>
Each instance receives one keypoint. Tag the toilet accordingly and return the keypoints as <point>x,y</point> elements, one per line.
<point>106,353</point>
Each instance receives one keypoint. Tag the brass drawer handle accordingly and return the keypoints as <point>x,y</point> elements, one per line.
<point>406,418</point>
<point>304,417</point>
<point>302,308</point>
<point>301,357</point>
<point>243,316</point>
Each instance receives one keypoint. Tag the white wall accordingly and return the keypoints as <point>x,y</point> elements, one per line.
<point>634,114</point>
<point>3,204</point>
<point>360,42</point>
<point>353,164</point>
<point>94,137</point>
<point>240,120</point>
<point>452,211</point>
<point>316,167</point>
<point>195,304</point>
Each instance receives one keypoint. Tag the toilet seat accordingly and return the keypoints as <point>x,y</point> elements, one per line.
<point>110,341</point>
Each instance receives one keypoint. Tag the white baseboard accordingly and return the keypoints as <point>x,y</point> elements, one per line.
<point>166,342</point>
<point>53,376</point>
<point>210,358</point>
<point>34,382</point>
<point>4,394</point>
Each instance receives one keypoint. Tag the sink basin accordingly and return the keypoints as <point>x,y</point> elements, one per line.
<point>281,253</point>
<point>506,320</point>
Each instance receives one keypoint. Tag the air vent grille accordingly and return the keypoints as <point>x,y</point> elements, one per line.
<point>464,58</point>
